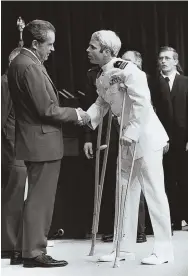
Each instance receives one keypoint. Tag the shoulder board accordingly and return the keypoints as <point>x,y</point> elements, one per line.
<point>120,64</point>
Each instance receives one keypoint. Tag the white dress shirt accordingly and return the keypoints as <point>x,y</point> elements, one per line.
<point>171,78</point>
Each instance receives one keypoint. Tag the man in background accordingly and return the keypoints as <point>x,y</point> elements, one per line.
<point>90,139</point>
<point>13,172</point>
<point>171,103</point>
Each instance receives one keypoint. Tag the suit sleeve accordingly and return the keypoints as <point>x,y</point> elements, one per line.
<point>138,91</point>
<point>6,102</point>
<point>34,82</point>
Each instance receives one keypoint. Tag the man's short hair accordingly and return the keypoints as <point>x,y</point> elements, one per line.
<point>175,56</point>
<point>167,48</point>
<point>138,57</point>
<point>36,30</point>
<point>108,40</point>
<point>13,54</point>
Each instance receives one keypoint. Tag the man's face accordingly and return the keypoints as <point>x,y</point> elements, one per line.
<point>94,54</point>
<point>166,61</point>
<point>44,49</point>
<point>130,56</point>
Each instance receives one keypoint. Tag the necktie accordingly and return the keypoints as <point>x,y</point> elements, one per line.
<point>99,73</point>
<point>167,81</point>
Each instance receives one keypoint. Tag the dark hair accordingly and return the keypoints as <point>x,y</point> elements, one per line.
<point>175,56</point>
<point>36,30</point>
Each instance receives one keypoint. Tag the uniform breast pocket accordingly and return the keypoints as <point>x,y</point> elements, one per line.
<point>49,129</point>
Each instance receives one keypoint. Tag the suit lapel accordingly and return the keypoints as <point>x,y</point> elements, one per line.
<point>55,89</point>
<point>164,88</point>
<point>174,87</point>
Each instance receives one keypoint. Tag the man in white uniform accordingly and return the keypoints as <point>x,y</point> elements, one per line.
<point>140,125</point>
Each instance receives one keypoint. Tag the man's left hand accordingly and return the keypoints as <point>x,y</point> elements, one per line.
<point>125,141</point>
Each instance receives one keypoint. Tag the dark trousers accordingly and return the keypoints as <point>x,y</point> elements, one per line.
<point>13,178</point>
<point>38,209</point>
<point>141,215</point>
<point>175,164</point>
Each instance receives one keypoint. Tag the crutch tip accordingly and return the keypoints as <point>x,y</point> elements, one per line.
<point>91,253</point>
<point>116,265</point>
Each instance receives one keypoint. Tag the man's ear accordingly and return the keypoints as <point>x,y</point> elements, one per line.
<point>35,44</point>
<point>176,61</point>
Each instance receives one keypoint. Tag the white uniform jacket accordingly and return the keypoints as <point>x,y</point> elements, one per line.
<point>140,123</point>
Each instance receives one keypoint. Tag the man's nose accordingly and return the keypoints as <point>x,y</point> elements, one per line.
<point>87,50</point>
<point>52,48</point>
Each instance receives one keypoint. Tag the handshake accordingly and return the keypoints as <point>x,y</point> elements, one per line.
<point>84,117</point>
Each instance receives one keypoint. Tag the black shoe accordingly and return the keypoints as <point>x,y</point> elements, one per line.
<point>107,238</point>
<point>43,261</point>
<point>149,231</point>
<point>141,237</point>
<point>16,258</point>
<point>6,254</point>
<point>177,225</point>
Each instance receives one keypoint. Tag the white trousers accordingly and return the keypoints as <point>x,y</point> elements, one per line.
<point>147,175</point>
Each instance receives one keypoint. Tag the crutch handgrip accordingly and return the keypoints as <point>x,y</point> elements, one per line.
<point>102,147</point>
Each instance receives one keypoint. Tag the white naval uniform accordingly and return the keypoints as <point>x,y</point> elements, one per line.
<point>142,125</point>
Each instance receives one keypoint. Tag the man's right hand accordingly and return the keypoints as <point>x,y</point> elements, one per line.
<point>88,149</point>
<point>84,116</point>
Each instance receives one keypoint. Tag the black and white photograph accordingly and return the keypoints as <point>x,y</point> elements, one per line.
<point>94,138</point>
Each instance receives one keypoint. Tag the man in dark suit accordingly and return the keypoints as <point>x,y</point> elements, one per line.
<point>39,139</point>
<point>13,172</point>
<point>171,103</point>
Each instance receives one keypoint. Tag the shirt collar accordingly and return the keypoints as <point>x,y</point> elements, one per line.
<point>32,54</point>
<point>109,65</point>
<point>171,76</point>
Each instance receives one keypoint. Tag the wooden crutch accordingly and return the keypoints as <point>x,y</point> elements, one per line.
<point>121,206</point>
<point>99,183</point>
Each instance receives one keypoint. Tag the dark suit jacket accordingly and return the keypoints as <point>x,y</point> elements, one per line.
<point>38,115</point>
<point>172,108</point>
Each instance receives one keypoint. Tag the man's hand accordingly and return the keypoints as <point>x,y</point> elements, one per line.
<point>125,141</point>
<point>166,148</point>
<point>119,78</point>
<point>84,116</point>
<point>88,149</point>
<point>186,148</point>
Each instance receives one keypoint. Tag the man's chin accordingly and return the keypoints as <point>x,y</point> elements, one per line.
<point>91,61</point>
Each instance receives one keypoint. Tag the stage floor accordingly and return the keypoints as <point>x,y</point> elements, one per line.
<point>76,251</point>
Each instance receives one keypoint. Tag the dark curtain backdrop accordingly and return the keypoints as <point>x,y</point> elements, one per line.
<point>144,26</point>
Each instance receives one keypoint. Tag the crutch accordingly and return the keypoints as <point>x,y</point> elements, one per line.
<point>99,183</point>
<point>121,204</point>
<point>121,192</point>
